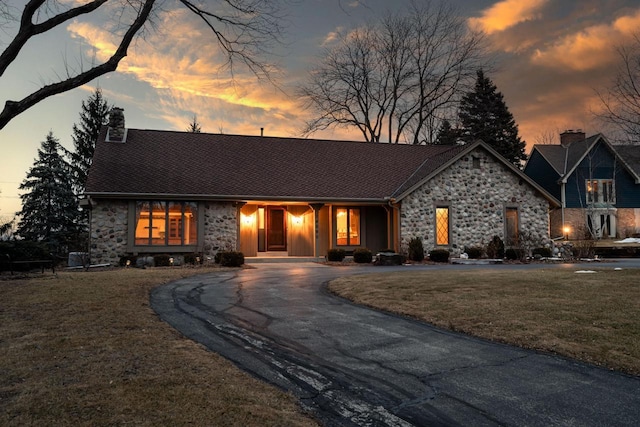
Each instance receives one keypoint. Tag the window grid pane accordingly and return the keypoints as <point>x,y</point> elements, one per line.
<point>166,223</point>
<point>442,226</point>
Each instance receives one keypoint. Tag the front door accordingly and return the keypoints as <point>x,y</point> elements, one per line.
<point>276,229</point>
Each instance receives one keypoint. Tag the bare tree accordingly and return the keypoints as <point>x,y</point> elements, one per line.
<point>243,29</point>
<point>395,79</point>
<point>621,100</point>
<point>194,126</point>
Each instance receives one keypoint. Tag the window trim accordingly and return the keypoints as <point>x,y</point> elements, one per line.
<point>360,226</point>
<point>603,187</point>
<point>447,206</point>
<point>507,241</point>
<point>134,248</point>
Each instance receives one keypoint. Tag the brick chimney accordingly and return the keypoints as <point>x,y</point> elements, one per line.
<point>117,132</point>
<point>570,136</point>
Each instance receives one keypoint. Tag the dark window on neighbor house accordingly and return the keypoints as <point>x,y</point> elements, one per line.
<point>442,225</point>
<point>600,191</point>
<point>347,226</point>
<point>166,223</point>
<point>475,162</point>
<point>512,226</point>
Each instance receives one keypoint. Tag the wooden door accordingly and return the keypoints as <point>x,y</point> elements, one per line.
<point>276,229</point>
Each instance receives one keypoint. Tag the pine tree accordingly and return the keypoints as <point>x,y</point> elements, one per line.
<point>94,114</point>
<point>447,135</point>
<point>49,206</point>
<point>484,115</point>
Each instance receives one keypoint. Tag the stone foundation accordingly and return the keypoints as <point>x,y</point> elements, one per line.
<point>477,198</point>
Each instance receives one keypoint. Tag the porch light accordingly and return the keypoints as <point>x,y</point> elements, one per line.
<point>566,230</point>
<point>247,219</point>
<point>296,220</point>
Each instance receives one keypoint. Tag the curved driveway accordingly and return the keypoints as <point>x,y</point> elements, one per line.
<point>350,365</point>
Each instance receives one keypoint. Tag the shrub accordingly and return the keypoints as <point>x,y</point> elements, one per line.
<point>543,252</point>
<point>416,250</point>
<point>513,254</point>
<point>193,258</point>
<point>495,248</point>
<point>474,252</point>
<point>362,255</point>
<point>439,255</point>
<point>231,258</point>
<point>336,255</point>
<point>162,260</point>
<point>131,258</point>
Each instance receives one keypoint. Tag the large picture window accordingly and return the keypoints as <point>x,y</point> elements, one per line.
<point>166,223</point>
<point>442,225</point>
<point>348,227</point>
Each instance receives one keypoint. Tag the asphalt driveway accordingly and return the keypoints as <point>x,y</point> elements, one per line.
<point>350,365</point>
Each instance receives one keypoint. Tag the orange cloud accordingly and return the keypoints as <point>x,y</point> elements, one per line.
<point>590,48</point>
<point>184,66</point>
<point>506,14</point>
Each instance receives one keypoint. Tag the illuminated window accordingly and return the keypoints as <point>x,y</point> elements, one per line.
<point>348,226</point>
<point>600,191</point>
<point>166,223</point>
<point>442,226</point>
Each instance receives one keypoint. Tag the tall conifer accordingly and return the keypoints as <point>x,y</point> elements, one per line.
<point>94,114</point>
<point>49,206</point>
<point>484,115</point>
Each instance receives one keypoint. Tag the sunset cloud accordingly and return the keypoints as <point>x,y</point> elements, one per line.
<point>591,47</point>
<point>186,70</point>
<point>508,13</point>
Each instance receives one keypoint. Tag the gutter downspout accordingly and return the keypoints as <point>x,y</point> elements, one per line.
<point>395,239</point>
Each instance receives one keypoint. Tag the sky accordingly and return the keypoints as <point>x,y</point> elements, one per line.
<point>548,58</point>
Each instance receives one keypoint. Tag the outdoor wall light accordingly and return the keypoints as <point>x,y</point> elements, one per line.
<point>247,219</point>
<point>566,231</point>
<point>296,220</point>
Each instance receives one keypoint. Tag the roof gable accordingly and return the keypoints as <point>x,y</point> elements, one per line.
<point>430,169</point>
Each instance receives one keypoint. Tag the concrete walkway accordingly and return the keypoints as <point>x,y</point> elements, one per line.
<point>353,366</point>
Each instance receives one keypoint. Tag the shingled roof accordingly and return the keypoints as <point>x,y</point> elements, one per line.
<point>166,163</point>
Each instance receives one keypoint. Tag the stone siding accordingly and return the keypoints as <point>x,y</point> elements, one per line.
<point>109,231</point>
<point>220,227</point>
<point>477,198</point>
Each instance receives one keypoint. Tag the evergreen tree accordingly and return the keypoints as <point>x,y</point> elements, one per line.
<point>447,135</point>
<point>484,115</point>
<point>94,114</point>
<point>49,206</point>
<point>194,126</point>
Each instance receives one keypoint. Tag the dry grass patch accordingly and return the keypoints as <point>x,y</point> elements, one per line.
<point>591,317</point>
<point>85,348</point>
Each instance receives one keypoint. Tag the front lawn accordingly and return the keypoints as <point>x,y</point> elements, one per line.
<point>85,348</point>
<point>591,317</point>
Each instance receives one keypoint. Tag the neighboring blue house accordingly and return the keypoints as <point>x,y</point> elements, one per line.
<point>597,183</point>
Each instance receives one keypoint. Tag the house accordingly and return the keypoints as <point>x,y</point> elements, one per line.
<point>177,192</point>
<point>598,184</point>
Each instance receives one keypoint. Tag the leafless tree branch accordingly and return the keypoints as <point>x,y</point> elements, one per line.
<point>244,30</point>
<point>400,76</point>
